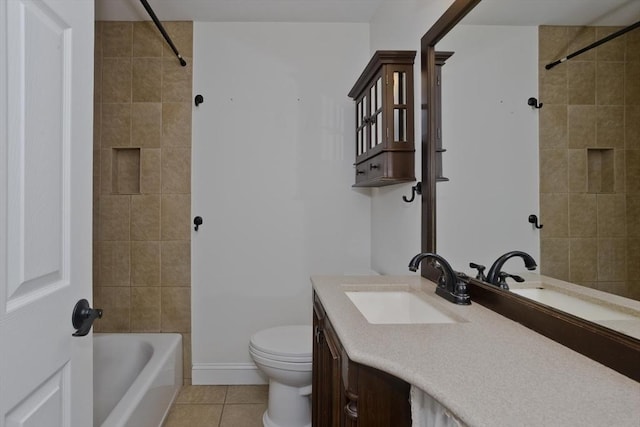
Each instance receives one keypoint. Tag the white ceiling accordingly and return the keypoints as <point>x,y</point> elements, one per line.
<point>488,12</point>
<point>555,12</point>
<point>240,10</point>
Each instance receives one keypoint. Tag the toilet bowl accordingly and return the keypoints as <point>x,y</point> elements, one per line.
<point>284,355</point>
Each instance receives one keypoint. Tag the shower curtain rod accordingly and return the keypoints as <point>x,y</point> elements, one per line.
<point>595,44</point>
<point>162,30</point>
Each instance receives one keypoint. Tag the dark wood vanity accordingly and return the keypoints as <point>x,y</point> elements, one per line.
<point>346,393</point>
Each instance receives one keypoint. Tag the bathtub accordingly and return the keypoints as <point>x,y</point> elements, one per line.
<point>136,377</point>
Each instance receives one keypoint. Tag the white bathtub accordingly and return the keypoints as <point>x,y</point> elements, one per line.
<point>136,377</point>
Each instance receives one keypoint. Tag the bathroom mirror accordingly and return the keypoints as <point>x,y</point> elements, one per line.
<point>586,105</point>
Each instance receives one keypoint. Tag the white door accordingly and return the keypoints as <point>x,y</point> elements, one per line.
<point>46,92</point>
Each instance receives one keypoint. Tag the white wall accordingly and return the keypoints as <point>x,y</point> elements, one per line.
<point>395,225</point>
<point>491,139</point>
<point>272,172</point>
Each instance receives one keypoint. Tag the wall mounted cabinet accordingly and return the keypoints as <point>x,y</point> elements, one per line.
<point>384,135</point>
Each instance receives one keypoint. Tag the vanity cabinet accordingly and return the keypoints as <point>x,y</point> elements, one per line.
<point>384,134</point>
<point>346,393</point>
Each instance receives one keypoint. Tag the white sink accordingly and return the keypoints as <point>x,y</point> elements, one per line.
<point>396,307</point>
<point>577,306</point>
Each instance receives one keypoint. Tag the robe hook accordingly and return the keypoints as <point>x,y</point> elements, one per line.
<point>534,103</point>
<point>533,219</point>
<point>415,189</point>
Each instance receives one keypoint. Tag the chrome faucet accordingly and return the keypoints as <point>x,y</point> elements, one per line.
<point>449,287</point>
<point>497,277</point>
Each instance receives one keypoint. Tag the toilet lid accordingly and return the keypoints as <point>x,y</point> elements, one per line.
<point>285,341</point>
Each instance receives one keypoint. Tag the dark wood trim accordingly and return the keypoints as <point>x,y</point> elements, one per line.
<point>453,15</point>
<point>618,351</point>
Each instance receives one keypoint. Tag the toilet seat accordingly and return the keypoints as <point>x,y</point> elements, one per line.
<point>291,344</point>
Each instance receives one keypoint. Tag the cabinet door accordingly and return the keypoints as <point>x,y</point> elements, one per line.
<point>371,129</point>
<point>327,391</point>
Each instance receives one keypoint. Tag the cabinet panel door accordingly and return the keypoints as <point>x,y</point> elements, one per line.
<point>327,389</point>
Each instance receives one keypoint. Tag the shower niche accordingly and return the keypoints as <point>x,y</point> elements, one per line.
<point>601,170</point>
<point>125,169</point>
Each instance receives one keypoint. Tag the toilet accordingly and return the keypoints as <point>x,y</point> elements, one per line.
<point>284,355</point>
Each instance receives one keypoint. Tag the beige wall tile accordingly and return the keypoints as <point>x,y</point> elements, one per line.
<point>612,213</point>
<point>146,124</point>
<point>579,37</point>
<point>97,124</point>
<point>633,290</point>
<point>145,264</point>
<point>115,303</point>
<point>553,126</point>
<point>114,217</point>
<point>610,83</point>
<point>619,185</point>
<point>633,258</point>
<point>176,124</point>
<point>150,170</point>
<point>632,79</point>
<point>633,46</point>
<point>176,80</point>
<point>147,40</point>
<point>145,217</point>
<point>194,415</point>
<point>610,125</point>
<point>116,80</point>
<point>616,288</point>
<point>552,42</point>
<point>577,171</point>
<point>115,263</point>
<point>632,169</point>
<point>145,316</point>
<point>116,39</point>
<point>582,126</point>
<point>176,309</point>
<point>554,213</point>
<point>181,32</point>
<point>613,50</point>
<point>583,255</point>
<point>176,170</point>
<point>176,263</point>
<point>633,214</point>
<point>582,82</point>
<point>632,127</point>
<point>554,84</point>
<point>554,171</point>
<point>116,125</point>
<point>612,259</point>
<point>554,258</point>
<point>186,358</point>
<point>582,215</point>
<point>147,79</point>
<point>175,217</point>
<point>126,170</point>
<point>105,171</point>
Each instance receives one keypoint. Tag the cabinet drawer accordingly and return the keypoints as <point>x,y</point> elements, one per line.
<point>387,168</point>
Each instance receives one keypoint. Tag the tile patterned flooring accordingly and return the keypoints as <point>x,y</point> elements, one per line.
<point>218,406</point>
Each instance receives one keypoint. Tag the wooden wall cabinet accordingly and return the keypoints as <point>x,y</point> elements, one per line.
<point>349,394</point>
<point>383,94</point>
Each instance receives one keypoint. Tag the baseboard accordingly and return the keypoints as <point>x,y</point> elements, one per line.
<point>226,374</point>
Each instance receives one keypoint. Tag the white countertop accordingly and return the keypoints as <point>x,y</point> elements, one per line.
<point>486,369</point>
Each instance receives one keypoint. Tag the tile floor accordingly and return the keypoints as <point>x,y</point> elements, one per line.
<point>218,406</point>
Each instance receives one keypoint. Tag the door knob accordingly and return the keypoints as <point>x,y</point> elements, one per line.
<point>83,316</point>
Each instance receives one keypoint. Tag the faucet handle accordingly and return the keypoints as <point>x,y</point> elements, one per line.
<point>480,268</point>
<point>502,279</point>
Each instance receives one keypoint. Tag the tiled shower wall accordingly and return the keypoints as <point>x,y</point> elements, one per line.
<point>142,179</point>
<point>590,159</point>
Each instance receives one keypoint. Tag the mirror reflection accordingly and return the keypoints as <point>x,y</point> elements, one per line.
<point>575,162</point>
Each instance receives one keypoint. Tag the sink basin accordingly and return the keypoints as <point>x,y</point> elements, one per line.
<point>396,307</point>
<point>577,306</point>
